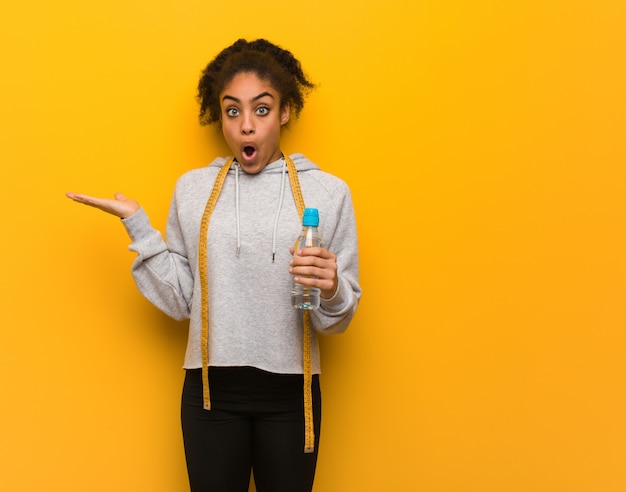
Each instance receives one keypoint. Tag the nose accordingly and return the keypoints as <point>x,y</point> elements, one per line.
<point>247,126</point>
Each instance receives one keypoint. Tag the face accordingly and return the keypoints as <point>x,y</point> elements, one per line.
<point>251,121</point>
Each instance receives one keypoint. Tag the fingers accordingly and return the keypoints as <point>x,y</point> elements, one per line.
<point>314,252</point>
<point>121,197</point>
<point>316,267</point>
<point>84,199</point>
<point>313,257</point>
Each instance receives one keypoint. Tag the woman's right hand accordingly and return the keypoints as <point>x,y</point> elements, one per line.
<point>121,206</point>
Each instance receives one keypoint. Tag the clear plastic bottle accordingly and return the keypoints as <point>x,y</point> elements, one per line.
<point>303,297</point>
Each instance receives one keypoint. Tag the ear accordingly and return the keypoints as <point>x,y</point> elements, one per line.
<point>285,114</point>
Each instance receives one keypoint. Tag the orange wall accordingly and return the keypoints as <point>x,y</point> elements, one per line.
<point>484,144</point>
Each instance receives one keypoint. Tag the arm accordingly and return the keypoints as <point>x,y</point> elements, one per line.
<point>161,270</point>
<point>162,276</point>
<point>336,269</point>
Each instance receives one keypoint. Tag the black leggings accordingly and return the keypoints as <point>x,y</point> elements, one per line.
<point>256,423</point>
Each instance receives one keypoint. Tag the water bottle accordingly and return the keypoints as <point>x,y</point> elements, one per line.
<point>304,297</point>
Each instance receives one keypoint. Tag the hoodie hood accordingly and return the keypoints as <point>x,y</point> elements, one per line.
<point>302,164</point>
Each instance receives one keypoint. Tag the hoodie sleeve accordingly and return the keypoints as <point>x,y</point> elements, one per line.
<point>161,271</point>
<point>336,313</point>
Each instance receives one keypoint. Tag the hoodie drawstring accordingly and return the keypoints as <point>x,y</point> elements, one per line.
<point>237,207</point>
<point>280,205</point>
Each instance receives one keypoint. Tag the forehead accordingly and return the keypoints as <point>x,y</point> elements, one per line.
<point>246,86</point>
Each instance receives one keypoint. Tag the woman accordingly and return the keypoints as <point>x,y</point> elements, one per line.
<point>251,397</point>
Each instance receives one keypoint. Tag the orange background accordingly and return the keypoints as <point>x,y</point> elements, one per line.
<point>484,144</point>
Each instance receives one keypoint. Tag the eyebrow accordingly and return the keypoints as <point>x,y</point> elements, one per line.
<point>256,98</point>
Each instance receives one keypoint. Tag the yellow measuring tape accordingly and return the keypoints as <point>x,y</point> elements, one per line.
<point>309,433</point>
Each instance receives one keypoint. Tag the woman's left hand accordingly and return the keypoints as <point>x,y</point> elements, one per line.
<point>315,262</point>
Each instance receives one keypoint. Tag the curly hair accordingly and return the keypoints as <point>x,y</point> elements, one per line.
<point>268,61</point>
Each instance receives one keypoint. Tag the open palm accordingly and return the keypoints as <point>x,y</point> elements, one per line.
<point>120,206</point>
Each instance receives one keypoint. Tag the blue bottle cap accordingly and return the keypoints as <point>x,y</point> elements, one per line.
<point>311,217</point>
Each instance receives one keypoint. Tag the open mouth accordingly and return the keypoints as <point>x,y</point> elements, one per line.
<point>249,151</point>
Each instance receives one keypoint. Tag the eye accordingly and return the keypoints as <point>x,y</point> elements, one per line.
<point>232,112</point>
<point>263,110</point>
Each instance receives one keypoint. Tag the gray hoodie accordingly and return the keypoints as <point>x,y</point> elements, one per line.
<point>254,224</point>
